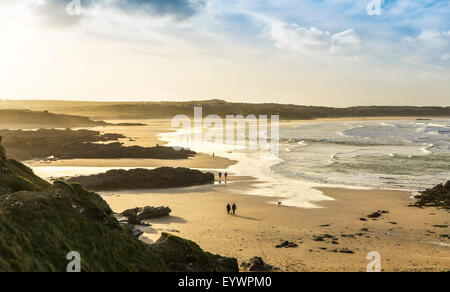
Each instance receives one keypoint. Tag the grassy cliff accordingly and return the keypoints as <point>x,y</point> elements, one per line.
<point>15,176</point>
<point>41,223</point>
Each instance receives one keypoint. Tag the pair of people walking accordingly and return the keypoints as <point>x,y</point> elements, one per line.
<point>231,209</point>
<point>225,175</point>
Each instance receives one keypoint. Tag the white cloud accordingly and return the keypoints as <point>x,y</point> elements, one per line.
<point>296,38</point>
<point>445,56</point>
<point>433,38</point>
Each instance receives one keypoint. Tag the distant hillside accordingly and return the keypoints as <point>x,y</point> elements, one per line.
<point>148,110</point>
<point>21,118</point>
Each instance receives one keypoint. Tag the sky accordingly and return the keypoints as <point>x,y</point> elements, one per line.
<point>311,52</point>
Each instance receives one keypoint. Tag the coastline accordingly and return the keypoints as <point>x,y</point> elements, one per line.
<point>199,215</point>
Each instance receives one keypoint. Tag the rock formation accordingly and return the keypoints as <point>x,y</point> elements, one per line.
<point>165,177</point>
<point>117,150</point>
<point>43,143</point>
<point>439,196</point>
<point>136,215</point>
<point>257,264</point>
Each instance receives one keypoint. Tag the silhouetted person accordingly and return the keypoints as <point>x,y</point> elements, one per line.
<point>228,209</point>
<point>226,176</point>
<point>234,208</point>
<point>220,175</point>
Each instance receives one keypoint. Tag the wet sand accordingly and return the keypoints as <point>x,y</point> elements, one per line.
<point>199,214</point>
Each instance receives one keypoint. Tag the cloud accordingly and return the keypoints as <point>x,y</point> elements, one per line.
<point>178,8</point>
<point>296,38</point>
<point>434,38</point>
<point>429,46</point>
<point>54,12</point>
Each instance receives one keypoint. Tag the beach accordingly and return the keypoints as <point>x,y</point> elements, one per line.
<point>199,214</point>
<point>406,238</point>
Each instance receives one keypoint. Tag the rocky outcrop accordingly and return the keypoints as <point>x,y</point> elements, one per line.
<point>439,196</point>
<point>43,223</point>
<point>165,177</point>
<point>43,143</point>
<point>257,264</point>
<point>117,150</point>
<point>136,215</point>
<point>185,255</point>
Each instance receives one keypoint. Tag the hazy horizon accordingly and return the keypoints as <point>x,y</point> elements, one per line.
<point>323,53</point>
<point>211,99</point>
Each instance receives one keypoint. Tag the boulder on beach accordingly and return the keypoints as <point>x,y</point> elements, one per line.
<point>256,264</point>
<point>164,177</point>
<point>136,215</point>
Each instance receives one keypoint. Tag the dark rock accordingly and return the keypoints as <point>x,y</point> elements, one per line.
<point>117,150</point>
<point>439,196</point>
<point>184,255</point>
<point>440,226</point>
<point>165,177</point>
<point>287,244</point>
<point>375,215</point>
<point>284,244</point>
<point>134,220</point>
<point>292,245</point>
<point>257,264</point>
<point>136,215</point>
<point>148,213</point>
<point>334,242</point>
<point>346,250</point>
<point>44,143</point>
<point>363,219</point>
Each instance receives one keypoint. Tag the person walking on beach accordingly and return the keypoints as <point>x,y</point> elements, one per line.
<point>220,175</point>
<point>234,208</point>
<point>228,209</point>
<point>226,176</point>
